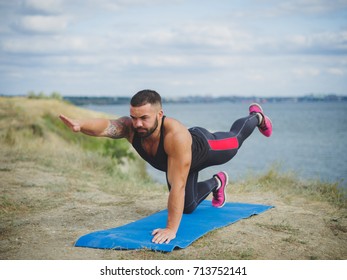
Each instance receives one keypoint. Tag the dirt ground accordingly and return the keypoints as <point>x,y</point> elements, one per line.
<point>294,229</point>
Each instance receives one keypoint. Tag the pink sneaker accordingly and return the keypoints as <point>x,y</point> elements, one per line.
<point>219,195</point>
<point>266,126</point>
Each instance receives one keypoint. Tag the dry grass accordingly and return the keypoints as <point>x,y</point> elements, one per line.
<point>288,185</point>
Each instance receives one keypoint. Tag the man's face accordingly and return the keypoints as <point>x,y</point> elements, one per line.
<point>145,119</point>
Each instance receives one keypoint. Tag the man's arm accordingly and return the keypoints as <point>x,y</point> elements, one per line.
<point>119,128</point>
<point>179,160</point>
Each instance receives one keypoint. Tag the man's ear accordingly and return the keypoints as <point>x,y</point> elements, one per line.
<point>161,113</point>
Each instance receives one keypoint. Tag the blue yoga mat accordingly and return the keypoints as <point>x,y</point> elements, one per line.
<point>137,235</point>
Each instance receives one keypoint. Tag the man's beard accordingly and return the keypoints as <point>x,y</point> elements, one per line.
<point>147,131</point>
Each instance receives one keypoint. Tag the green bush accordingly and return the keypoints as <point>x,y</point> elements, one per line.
<point>42,95</point>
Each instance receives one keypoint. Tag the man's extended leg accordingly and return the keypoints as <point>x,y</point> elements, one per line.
<point>223,146</point>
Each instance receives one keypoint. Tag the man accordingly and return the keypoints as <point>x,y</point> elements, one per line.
<point>180,152</point>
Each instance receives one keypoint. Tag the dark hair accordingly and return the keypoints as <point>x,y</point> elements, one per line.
<point>144,97</point>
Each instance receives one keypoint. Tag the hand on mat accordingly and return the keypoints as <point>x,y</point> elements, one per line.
<point>163,235</point>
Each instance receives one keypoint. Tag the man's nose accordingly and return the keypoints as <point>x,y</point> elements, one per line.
<point>138,123</point>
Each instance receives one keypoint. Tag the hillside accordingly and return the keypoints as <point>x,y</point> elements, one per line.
<point>56,186</point>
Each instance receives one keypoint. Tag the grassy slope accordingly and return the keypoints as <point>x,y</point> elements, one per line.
<point>56,186</point>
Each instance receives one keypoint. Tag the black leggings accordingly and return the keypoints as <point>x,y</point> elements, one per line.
<point>223,146</point>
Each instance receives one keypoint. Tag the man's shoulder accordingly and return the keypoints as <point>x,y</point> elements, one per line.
<point>175,132</point>
<point>177,141</point>
<point>172,125</point>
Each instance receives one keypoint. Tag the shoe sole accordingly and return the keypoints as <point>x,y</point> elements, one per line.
<point>265,130</point>
<point>256,104</point>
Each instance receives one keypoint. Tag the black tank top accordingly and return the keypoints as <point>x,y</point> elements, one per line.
<point>200,150</point>
<point>159,160</point>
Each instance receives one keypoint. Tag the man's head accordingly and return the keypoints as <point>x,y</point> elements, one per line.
<point>144,97</point>
<point>145,112</point>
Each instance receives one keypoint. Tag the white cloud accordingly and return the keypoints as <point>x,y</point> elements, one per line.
<point>43,24</point>
<point>53,45</point>
<point>44,6</point>
<point>306,72</point>
<point>318,43</point>
<point>201,37</point>
<point>337,71</point>
<point>115,5</point>
<point>311,6</point>
<point>217,35</point>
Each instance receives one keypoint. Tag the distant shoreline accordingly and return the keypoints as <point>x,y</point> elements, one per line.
<point>86,100</point>
<point>119,100</point>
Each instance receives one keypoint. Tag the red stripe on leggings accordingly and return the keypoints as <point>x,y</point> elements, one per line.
<point>224,144</point>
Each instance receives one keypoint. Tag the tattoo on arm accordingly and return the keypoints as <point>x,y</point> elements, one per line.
<point>119,128</point>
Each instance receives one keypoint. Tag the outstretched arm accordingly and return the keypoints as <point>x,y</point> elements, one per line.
<point>119,128</point>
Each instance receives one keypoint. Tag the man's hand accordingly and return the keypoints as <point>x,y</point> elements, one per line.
<point>163,235</point>
<point>72,124</point>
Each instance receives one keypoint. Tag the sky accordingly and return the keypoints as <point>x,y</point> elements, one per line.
<point>178,48</point>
